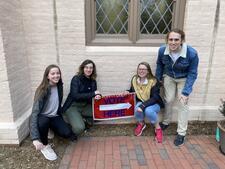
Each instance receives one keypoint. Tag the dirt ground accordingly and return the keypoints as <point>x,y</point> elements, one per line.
<point>25,156</point>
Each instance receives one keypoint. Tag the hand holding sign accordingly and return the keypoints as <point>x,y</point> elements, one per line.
<point>139,110</point>
<point>98,95</point>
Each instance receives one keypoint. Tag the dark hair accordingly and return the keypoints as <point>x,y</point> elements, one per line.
<point>149,75</point>
<point>42,88</point>
<point>176,30</point>
<point>83,64</point>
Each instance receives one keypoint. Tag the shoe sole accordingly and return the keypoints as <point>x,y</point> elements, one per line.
<point>141,131</point>
<point>179,145</point>
<point>158,141</point>
<point>50,159</point>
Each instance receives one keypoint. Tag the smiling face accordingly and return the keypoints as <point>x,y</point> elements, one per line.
<point>174,42</point>
<point>142,71</point>
<point>54,76</point>
<point>88,70</point>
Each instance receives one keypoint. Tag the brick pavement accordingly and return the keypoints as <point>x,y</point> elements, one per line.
<point>124,152</point>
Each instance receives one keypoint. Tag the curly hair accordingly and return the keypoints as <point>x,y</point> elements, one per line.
<point>83,64</point>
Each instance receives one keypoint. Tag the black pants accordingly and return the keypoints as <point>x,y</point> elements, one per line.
<point>57,124</point>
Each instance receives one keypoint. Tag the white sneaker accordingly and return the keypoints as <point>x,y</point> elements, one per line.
<point>50,134</point>
<point>49,153</point>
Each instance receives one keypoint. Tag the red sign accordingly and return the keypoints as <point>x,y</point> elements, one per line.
<point>114,107</point>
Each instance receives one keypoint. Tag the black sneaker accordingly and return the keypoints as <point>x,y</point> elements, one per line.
<point>163,126</point>
<point>179,140</point>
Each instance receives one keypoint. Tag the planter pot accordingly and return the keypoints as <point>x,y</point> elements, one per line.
<point>222,136</point>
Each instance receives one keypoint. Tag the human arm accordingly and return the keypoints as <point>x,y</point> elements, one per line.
<point>159,65</point>
<point>192,74</point>
<point>34,131</point>
<point>77,94</point>
<point>154,97</point>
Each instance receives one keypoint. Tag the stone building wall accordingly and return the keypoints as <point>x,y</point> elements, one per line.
<point>34,34</point>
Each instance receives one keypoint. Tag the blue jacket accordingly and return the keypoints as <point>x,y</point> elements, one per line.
<point>186,66</point>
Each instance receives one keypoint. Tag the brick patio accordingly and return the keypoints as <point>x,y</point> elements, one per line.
<point>124,152</point>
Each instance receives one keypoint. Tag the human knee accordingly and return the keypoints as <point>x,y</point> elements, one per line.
<point>78,129</point>
<point>43,123</point>
<point>169,99</point>
<point>66,132</point>
<point>152,114</point>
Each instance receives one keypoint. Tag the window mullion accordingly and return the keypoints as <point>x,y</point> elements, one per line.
<point>179,10</point>
<point>93,19</point>
<point>133,20</point>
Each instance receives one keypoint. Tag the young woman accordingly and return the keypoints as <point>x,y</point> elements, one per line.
<point>149,102</point>
<point>78,105</point>
<point>46,112</point>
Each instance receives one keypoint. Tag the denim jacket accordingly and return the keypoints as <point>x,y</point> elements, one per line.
<point>186,66</point>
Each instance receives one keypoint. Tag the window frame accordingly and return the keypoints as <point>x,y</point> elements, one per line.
<point>133,38</point>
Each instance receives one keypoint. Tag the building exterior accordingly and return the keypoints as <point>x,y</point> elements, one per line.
<point>34,34</point>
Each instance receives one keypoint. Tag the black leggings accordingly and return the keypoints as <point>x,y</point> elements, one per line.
<point>57,124</point>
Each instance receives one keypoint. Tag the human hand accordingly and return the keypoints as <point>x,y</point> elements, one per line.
<point>139,110</point>
<point>98,96</point>
<point>38,145</point>
<point>183,99</point>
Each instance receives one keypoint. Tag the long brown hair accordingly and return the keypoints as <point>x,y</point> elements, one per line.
<point>83,64</point>
<point>149,75</point>
<point>42,88</point>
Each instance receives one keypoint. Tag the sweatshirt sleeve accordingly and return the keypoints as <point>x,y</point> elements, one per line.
<point>192,75</point>
<point>34,132</point>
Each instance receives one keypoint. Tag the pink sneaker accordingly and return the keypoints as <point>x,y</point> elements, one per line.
<point>159,135</point>
<point>139,129</point>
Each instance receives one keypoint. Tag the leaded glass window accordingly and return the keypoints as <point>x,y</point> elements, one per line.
<point>156,16</point>
<point>131,22</point>
<point>111,16</point>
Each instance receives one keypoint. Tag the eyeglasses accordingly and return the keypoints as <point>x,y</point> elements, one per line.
<point>175,39</point>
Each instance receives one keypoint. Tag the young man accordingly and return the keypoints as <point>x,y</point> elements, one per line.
<point>177,66</point>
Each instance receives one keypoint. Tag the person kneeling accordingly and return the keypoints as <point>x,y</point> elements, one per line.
<point>46,113</point>
<point>149,102</point>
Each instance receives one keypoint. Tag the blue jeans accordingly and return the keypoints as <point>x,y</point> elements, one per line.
<point>151,112</point>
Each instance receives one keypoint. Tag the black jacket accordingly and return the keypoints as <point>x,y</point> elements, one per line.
<point>82,89</point>
<point>155,97</point>
<point>38,107</point>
